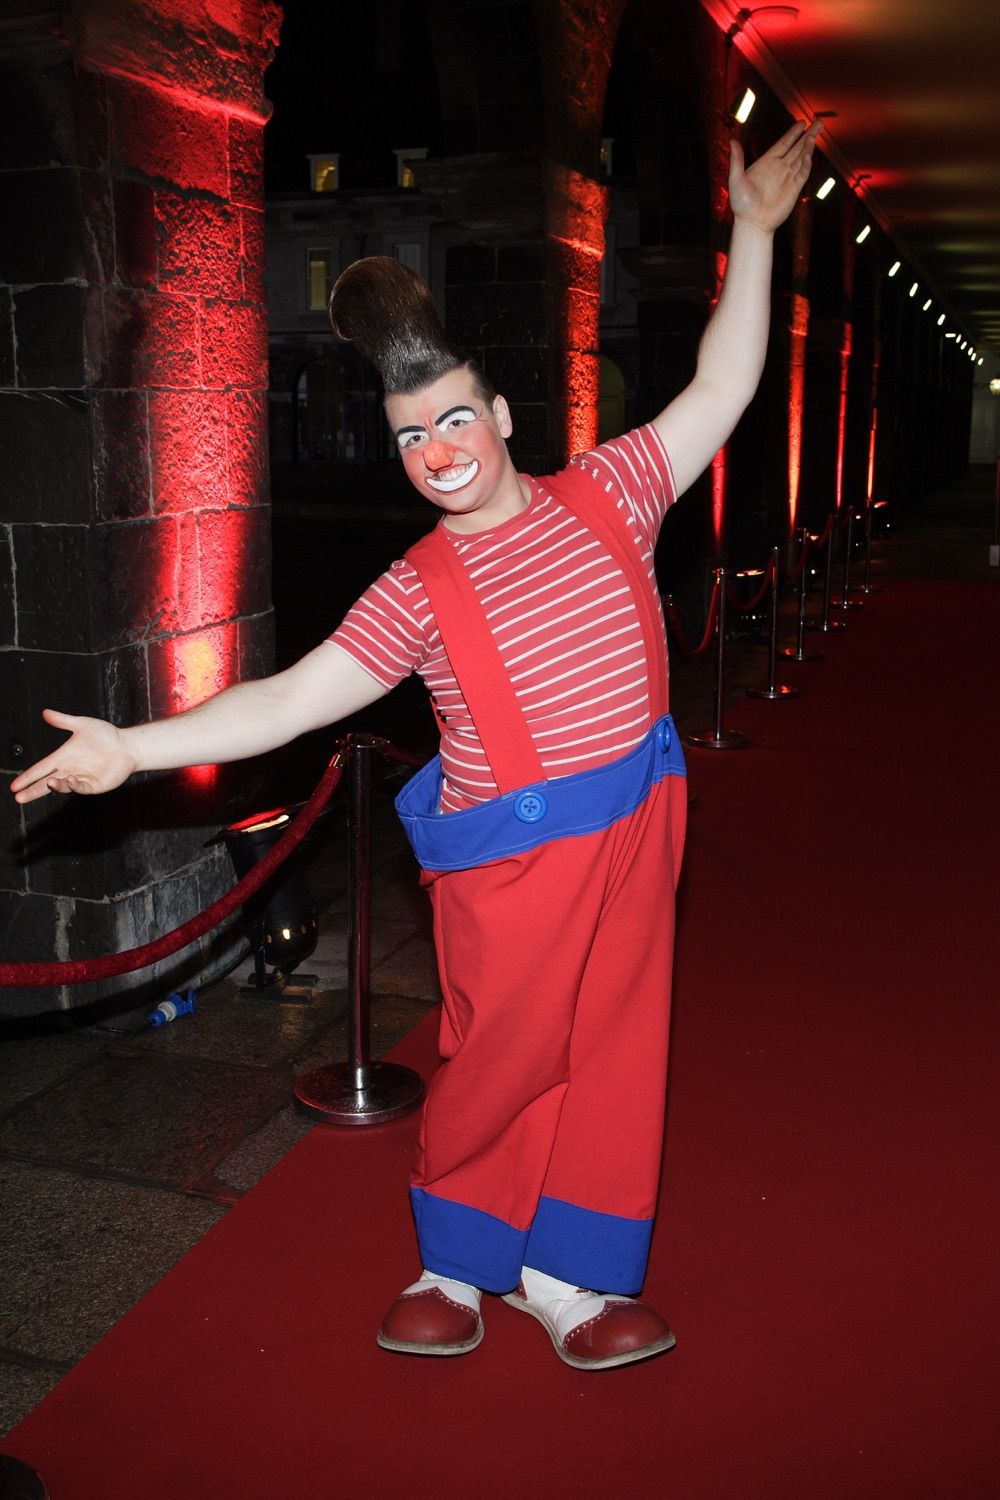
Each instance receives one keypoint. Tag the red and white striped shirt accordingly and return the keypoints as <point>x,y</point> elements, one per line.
<point>560,611</point>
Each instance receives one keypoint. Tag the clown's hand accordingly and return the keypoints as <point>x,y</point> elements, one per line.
<point>765,193</point>
<point>95,758</point>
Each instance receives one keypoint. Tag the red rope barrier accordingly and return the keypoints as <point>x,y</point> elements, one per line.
<point>754,603</point>
<point>794,574</point>
<point>402,757</point>
<point>78,971</point>
<point>673,620</point>
<point>824,536</point>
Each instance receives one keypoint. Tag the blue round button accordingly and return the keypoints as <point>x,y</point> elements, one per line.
<point>663,735</point>
<point>530,806</point>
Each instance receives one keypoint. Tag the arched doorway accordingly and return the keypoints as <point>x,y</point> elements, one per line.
<point>336,411</point>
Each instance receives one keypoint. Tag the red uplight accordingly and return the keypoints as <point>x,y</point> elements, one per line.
<point>798,333</point>
<point>845,370</point>
<point>577,211</point>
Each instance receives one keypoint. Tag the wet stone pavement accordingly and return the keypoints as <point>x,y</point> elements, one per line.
<point>119,1150</point>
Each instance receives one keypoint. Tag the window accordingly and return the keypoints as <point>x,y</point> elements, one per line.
<point>404,171</point>
<point>320,273</point>
<point>408,255</point>
<point>324,172</point>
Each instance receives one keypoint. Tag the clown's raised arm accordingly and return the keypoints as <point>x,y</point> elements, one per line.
<point>696,424</point>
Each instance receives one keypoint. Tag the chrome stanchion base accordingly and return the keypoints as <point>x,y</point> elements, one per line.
<point>331,1093</point>
<point>870,588</point>
<point>847,604</point>
<point>779,691</point>
<point>830,625</point>
<point>726,739</point>
<point>794,654</point>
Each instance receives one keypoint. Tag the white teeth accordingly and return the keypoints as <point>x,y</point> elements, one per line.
<point>454,479</point>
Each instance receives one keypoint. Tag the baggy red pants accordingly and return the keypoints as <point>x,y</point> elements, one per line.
<point>542,1130</point>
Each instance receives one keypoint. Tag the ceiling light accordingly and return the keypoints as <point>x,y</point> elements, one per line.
<point>951,335</point>
<point>894,267</point>
<point>927,304</point>
<point>913,288</point>
<point>863,235</point>
<point>741,113</point>
<point>940,321</point>
<point>826,189</point>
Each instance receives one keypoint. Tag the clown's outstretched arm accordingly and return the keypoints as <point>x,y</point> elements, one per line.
<point>731,357</point>
<point>247,719</point>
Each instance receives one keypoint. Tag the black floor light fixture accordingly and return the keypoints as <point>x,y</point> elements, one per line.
<point>282,917</point>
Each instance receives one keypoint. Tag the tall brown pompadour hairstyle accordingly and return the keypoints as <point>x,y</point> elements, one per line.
<point>387,312</point>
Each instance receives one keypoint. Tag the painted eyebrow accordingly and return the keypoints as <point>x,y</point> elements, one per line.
<point>451,412</point>
<point>415,428</point>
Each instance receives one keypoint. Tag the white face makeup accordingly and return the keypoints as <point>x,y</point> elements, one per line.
<point>438,448</point>
<point>454,479</point>
<point>448,424</point>
<point>452,445</point>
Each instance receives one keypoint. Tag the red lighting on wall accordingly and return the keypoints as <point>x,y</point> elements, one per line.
<point>872,438</point>
<point>720,463</point>
<point>577,208</point>
<point>798,334</point>
<point>199,669</point>
<point>187,327</point>
<point>845,370</point>
<point>720,481</point>
<point>187,669</point>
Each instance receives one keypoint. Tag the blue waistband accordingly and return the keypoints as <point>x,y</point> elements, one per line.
<point>567,806</point>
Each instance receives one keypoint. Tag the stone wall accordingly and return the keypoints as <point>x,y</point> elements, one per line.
<point>134,516</point>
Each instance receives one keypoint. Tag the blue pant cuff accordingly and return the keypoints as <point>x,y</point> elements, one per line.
<point>595,1250</point>
<point>466,1243</point>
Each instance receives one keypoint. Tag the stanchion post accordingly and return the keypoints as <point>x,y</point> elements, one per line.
<point>798,652</point>
<point>359,907</point>
<point>845,601</point>
<point>720,738</point>
<point>826,624</point>
<point>360,1091</point>
<point>774,689</point>
<point>867,586</point>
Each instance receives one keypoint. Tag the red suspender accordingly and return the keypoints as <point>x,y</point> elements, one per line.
<point>602,517</point>
<point>476,662</point>
<point>473,653</point>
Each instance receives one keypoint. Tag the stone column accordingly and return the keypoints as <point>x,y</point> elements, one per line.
<point>134,517</point>
<point>576,40</point>
<point>798,334</point>
<point>524,206</point>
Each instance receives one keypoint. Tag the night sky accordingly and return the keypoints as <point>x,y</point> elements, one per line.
<point>358,79</point>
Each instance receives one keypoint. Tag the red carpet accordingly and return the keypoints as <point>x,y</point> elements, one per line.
<point>826,1247</point>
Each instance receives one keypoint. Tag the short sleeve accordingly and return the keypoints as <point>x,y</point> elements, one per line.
<point>385,632</point>
<point>635,471</point>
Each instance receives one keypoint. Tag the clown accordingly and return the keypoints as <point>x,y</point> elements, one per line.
<point>550,827</point>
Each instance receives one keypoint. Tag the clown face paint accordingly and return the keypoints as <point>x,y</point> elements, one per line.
<point>452,446</point>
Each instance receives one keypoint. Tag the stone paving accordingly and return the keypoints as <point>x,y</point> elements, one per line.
<point>119,1151</point>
